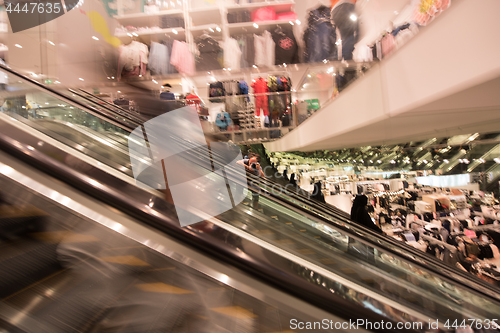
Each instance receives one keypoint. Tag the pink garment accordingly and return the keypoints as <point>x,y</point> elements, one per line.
<point>388,44</point>
<point>182,58</point>
<point>264,14</point>
<point>470,233</point>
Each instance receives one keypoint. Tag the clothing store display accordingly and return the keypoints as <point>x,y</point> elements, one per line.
<point>132,58</point>
<point>239,16</point>
<point>264,14</point>
<point>247,48</point>
<point>261,101</point>
<point>388,44</point>
<point>216,89</point>
<point>290,16</point>
<point>264,49</point>
<point>209,50</point>
<point>159,59</point>
<point>223,120</point>
<point>320,36</point>
<point>348,28</point>
<point>182,58</point>
<point>232,54</point>
<point>192,99</point>
<point>286,49</point>
<point>243,89</point>
<point>362,53</point>
<point>169,21</point>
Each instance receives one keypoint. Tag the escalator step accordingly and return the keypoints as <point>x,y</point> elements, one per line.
<point>32,262</point>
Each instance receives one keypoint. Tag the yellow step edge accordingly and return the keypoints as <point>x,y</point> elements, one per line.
<point>125,260</point>
<point>160,287</point>
<point>64,236</point>
<point>236,312</point>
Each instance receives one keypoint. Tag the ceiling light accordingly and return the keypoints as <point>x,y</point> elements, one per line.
<point>254,66</point>
<point>19,46</point>
<point>95,38</point>
<point>211,30</point>
<point>291,23</point>
<point>156,82</point>
<point>298,22</point>
<point>218,29</point>
<point>119,91</point>
<point>174,31</point>
<point>353,17</point>
<point>255,25</point>
<point>51,43</point>
<point>81,79</point>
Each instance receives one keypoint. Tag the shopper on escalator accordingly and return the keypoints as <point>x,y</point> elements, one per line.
<point>252,165</point>
<point>359,213</point>
<point>317,193</point>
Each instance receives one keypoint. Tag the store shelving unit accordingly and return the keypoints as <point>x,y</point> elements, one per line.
<point>198,20</point>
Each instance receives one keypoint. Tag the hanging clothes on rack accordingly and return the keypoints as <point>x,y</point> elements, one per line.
<point>232,54</point>
<point>264,49</point>
<point>209,50</point>
<point>133,59</point>
<point>182,58</point>
<point>223,120</point>
<point>247,48</point>
<point>159,59</point>
<point>286,49</point>
<point>320,36</point>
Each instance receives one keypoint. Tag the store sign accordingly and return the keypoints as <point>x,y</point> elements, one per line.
<point>26,14</point>
<point>199,190</point>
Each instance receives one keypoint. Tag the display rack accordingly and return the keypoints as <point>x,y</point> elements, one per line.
<point>198,20</point>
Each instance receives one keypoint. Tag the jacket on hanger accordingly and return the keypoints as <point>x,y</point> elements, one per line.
<point>182,58</point>
<point>223,120</point>
<point>133,58</point>
<point>209,50</point>
<point>286,49</point>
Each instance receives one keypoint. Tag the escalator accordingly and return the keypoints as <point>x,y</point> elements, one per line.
<point>87,250</point>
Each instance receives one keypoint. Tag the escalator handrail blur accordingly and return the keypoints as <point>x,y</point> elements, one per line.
<point>293,284</point>
<point>365,235</point>
<point>397,248</point>
<point>108,116</point>
<point>112,108</point>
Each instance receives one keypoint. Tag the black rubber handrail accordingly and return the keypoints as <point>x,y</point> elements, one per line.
<point>109,117</point>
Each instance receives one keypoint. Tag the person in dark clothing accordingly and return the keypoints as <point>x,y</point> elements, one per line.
<point>360,215</point>
<point>293,181</point>
<point>345,19</point>
<point>167,95</point>
<point>317,194</point>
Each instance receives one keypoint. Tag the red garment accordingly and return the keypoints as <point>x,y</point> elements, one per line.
<point>192,99</point>
<point>260,86</point>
